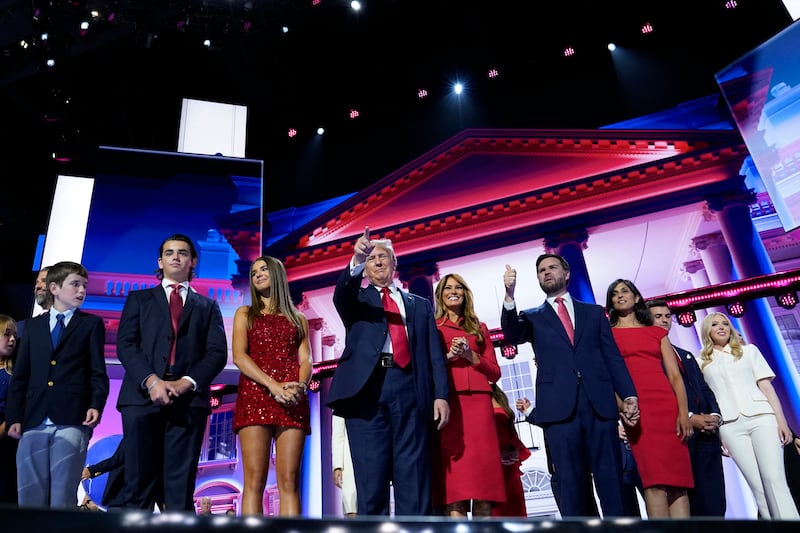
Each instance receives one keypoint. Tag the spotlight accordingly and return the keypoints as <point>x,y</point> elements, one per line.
<point>509,351</point>
<point>612,47</point>
<point>686,318</point>
<point>736,309</point>
<point>320,130</point>
<point>787,300</point>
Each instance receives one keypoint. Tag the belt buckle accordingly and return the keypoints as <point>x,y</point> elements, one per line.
<point>387,361</point>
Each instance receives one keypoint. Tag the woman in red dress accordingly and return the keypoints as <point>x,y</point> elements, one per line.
<point>272,351</point>
<point>467,469</point>
<point>658,442</point>
<point>512,453</point>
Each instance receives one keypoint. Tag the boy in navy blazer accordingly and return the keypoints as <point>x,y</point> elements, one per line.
<point>58,392</point>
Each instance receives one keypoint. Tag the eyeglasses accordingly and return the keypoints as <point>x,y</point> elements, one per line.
<point>377,257</point>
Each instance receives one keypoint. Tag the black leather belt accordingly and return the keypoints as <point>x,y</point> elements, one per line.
<point>170,373</point>
<point>386,360</point>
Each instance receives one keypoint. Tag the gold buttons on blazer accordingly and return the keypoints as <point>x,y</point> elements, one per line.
<point>50,383</point>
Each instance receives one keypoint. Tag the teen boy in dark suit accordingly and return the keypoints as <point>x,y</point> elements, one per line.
<point>165,397</point>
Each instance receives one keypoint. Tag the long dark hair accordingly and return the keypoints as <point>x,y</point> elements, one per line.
<point>640,309</point>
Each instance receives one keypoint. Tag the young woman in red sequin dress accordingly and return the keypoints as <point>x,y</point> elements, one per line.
<point>273,353</point>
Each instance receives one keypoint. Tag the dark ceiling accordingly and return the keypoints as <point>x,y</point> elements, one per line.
<point>122,82</point>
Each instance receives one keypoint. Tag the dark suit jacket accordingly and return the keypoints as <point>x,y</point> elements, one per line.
<point>116,477</point>
<point>701,397</point>
<point>61,383</point>
<point>145,336</point>
<point>362,312</point>
<point>705,449</point>
<point>594,356</point>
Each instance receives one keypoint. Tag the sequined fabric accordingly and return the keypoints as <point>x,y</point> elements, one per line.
<point>273,347</point>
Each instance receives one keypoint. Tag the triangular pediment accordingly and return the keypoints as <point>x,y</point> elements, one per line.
<point>483,184</point>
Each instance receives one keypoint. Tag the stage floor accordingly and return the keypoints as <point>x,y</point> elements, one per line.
<point>44,521</point>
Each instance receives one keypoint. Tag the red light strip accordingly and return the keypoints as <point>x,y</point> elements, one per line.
<point>724,293</point>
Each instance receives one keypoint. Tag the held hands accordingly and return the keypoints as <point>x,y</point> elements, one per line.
<point>337,477</point>
<point>362,248</point>
<point>683,427</point>
<point>705,423</point>
<point>630,411</point>
<point>510,282</point>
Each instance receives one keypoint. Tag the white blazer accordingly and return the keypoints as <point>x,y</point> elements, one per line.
<point>734,382</point>
<point>340,458</point>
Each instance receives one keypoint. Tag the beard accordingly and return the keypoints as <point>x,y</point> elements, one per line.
<point>553,285</point>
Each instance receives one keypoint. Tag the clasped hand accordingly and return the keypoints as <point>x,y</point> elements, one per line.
<point>460,348</point>
<point>162,391</point>
<point>289,393</point>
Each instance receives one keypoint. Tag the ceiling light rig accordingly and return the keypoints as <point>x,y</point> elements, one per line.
<point>733,295</point>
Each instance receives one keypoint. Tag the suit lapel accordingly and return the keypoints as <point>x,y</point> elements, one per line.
<point>551,317</point>
<point>159,295</point>
<point>580,318</point>
<point>74,323</point>
<point>191,300</point>
<point>410,308</point>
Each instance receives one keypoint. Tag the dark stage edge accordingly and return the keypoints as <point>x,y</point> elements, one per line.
<point>43,521</point>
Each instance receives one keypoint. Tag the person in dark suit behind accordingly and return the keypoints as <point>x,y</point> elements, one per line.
<point>582,385</point>
<point>707,498</point>
<point>41,295</point>
<point>791,465</point>
<point>389,409</point>
<point>165,405</point>
<point>58,392</point>
<point>114,466</point>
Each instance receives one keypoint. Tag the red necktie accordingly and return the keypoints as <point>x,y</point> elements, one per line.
<point>397,330</point>
<point>566,321</point>
<point>175,310</point>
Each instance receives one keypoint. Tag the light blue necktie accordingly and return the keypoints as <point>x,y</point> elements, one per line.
<point>55,335</point>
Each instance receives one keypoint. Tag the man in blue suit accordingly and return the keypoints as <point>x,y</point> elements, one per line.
<point>705,448</point>
<point>582,386</point>
<point>165,404</point>
<point>390,408</point>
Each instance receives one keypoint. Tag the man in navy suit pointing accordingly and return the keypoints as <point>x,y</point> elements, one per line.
<point>582,388</point>
<point>391,385</point>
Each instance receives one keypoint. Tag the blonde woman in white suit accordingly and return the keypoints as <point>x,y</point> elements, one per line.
<point>342,466</point>
<point>754,428</point>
